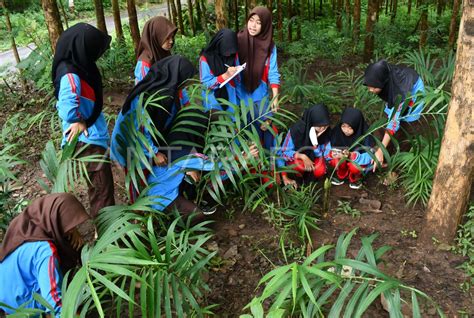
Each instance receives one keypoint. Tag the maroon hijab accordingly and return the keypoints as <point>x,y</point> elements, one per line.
<point>254,50</point>
<point>155,32</point>
<point>47,219</point>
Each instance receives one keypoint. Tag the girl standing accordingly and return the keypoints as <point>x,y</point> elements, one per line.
<point>344,137</point>
<point>216,64</point>
<point>78,87</point>
<point>155,44</point>
<point>394,84</point>
<point>256,48</point>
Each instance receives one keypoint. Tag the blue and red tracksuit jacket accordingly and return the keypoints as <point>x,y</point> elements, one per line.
<point>412,112</point>
<point>76,101</point>
<point>33,267</point>
<point>141,70</point>
<point>116,151</point>
<point>270,79</point>
<point>211,83</point>
<point>287,151</point>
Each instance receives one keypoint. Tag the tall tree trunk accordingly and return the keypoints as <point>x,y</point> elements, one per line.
<point>198,13</point>
<point>70,4</point>
<point>99,14</point>
<point>453,24</point>
<point>133,22</point>
<point>386,6</point>
<point>221,21</point>
<point>348,13</point>
<point>204,15</point>
<point>299,18</point>
<point>61,5</point>
<point>394,10</point>
<point>439,7</point>
<point>409,7</point>
<point>369,29</point>
<point>339,15</point>
<point>168,8</point>
<point>280,20</point>
<point>235,3</point>
<point>320,7</point>
<point>10,31</point>
<point>455,171</point>
<point>356,31</point>
<point>423,25</point>
<point>290,22</point>
<point>379,6</point>
<point>270,5</point>
<point>117,21</point>
<point>53,21</point>
<point>252,4</point>
<point>174,12</point>
<point>180,17</point>
<point>191,17</point>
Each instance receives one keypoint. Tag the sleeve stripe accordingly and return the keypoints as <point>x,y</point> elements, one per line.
<point>51,272</point>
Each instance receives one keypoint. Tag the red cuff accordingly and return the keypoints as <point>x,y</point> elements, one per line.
<point>275,85</point>
<point>220,79</point>
<point>284,174</point>
<point>391,132</point>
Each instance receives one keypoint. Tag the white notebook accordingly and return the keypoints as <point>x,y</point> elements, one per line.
<point>240,68</point>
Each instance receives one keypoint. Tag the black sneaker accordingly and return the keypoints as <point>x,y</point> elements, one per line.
<point>336,181</point>
<point>356,185</point>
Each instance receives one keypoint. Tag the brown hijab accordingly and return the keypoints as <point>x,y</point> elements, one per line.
<point>254,50</point>
<point>47,219</point>
<point>155,32</point>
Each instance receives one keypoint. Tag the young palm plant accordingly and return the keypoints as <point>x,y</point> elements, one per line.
<point>338,286</point>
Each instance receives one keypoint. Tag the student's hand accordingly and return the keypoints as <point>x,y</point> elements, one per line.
<point>76,129</point>
<point>287,181</point>
<point>308,163</point>
<point>266,124</point>
<point>76,240</point>
<point>160,159</point>
<point>253,152</point>
<point>230,71</point>
<point>336,155</point>
<point>195,175</point>
<point>346,153</point>
<point>274,106</point>
<point>379,156</point>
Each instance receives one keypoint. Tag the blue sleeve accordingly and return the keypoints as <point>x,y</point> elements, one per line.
<point>207,78</point>
<point>197,162</point>
<point>323,150</point>
<point>273,74</point>
<point>141,70</point>
<point>287,151</point>
<point>69,98</point>
<point>362,159</point>
<point>47,271</point>
<point>184,97</point>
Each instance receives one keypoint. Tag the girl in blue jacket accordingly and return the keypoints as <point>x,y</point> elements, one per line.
<point>165,79</point>
<point>78,88</point>
<point>257,49</point>
<point>344,137</point>
<point>40,245</point>
<point>306,146</point>
<point>156,43</point>
<point>216,64</point>
<point>394,83</point>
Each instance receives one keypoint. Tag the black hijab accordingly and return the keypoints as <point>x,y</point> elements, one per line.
<point>317,115</point>
<point>165,76</point>
<point>77,51</point>
<point>354,118</point>
<point>394,80</point>
<point>220,51</point>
